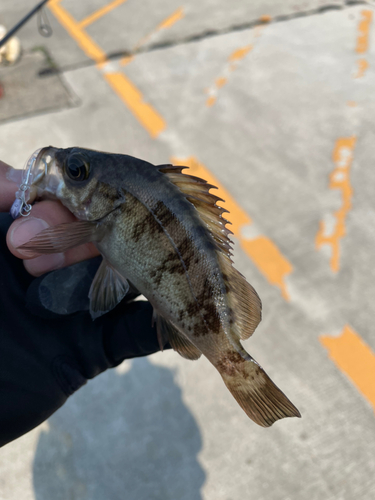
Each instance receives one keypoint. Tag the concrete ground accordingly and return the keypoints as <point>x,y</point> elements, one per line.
<point>274,101</point>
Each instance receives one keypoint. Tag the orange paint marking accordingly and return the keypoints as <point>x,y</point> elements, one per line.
<point>99,13</point>
<point>220,82</point>
<point>352,104</point>
<point>125,89</point>
<point>211,101</point>
<point>339,179</point>
<point>167,23</point>
<point>131,96</point>
<point>126,60</point>
<point>233,59</point>
<point>261,250</point>
<point>364,29</point>
<point>269,260</point>
<point>265,18</point>
<point>172,19</point>
<point>362,66</point>
<point>89,47</point>
<point>354,358</point>
<point>240,53</point>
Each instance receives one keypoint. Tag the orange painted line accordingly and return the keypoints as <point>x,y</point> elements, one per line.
<point>269,260</point>
<point>211,101</point>
<point>89,47</point>
<point>261,250</point>
<point>354,358</point>
<point>220,82</point>
<point>352,104</point>
<point>172,19</point>
<point>99,13</point>
<point>125,89</point>
<point>339,179</point>
<point>126,60</point>
<point>236,56</point>
<point>362,67</point>
<point>240,53</point>
<point>265,18</point>
<point>131,96</point>
<point>363,31</point>
<point>167,23</point>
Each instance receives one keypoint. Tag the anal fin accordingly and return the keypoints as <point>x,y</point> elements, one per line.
<point>107,289</point>
<point>166,331</point>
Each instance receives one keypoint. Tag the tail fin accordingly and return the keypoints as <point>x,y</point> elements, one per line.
<point>255,392</point>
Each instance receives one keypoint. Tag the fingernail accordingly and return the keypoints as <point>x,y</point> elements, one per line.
<point>44,263</point>
<point>26,230</point>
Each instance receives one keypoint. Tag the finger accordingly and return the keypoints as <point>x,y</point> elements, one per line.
<point>45,214</point>
<point>7,188</point>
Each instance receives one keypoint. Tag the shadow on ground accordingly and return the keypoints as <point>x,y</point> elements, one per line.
<point>122,436</point>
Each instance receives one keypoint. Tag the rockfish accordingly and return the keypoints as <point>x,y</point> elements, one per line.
<point>161,230</point>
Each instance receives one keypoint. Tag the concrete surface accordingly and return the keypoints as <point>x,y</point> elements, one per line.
<point>165,428</point>
<point>27,93</point>
<point>132,23</point>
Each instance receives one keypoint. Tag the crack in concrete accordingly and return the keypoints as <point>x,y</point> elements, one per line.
<point>209,34</point>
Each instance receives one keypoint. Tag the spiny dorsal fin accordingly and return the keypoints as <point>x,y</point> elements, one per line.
<point>197,191</point>
<point>168,168</point>
<point>243,300</point>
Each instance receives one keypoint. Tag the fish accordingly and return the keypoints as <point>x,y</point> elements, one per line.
<point>163,232</point>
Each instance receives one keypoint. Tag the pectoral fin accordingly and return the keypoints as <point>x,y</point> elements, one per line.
<point>179,342</point>
<point>107,290</point>
<point>62,237</point>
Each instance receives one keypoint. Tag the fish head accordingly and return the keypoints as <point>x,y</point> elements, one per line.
<point>77,177</point>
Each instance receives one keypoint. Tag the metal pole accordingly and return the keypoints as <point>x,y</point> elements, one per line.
<point>21,23</point>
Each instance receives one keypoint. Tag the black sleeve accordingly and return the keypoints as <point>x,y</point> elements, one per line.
<point>44,358</point>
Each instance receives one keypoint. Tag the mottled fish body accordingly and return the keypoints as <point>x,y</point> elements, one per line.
<point>162,231</point>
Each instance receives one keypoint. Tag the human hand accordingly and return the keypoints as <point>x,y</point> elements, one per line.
<point>45,214</point>
<point>44,358</point>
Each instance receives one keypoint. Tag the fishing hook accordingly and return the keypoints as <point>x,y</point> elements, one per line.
<point>19,25</point>
<point>44,26</point>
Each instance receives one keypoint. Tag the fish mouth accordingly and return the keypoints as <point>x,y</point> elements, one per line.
<point>41,175</point>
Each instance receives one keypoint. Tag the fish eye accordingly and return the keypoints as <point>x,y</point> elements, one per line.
<point>77,168</point>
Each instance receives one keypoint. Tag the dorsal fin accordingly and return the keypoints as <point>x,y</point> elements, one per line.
<point>168,168</point>
<point>197,192</point>
<point>243,301</point>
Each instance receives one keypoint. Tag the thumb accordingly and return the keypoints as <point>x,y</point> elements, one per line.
<point>45,214</point>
